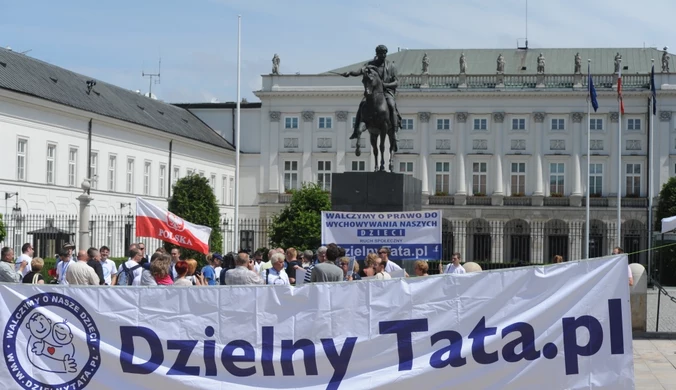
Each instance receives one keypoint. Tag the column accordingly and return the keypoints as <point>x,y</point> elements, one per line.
<point>612,161</point>
<point>424,120</point>
<point>461,193</point>
<point>538,194</point>
<point>498,189</point>
<point>273,154</point>
<point>84,199</point>
<point>341,136</point>
<point>305,165</point>
<point>576,190</point>
<point>662,132</point>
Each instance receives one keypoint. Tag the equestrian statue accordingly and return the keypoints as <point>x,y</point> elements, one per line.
<point>378,109</point>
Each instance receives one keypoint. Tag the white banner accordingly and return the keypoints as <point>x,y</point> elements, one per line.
<point>414,235</point>
<point>560,326</point>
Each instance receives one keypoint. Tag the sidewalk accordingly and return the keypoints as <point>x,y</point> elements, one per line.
<point>654,364</point>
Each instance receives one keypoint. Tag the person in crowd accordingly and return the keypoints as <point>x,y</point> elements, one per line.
<point>370,263</point>
<point>307,259</point>
<point>352,274</point>
<point>276,273</point>
<point>161,250</point>
<point>243,273</point>
<point>108,266</point>
<point>557,259</point>
<point>69,247</point>
<point>454,267</point>
<point>132,264</point>
<point>8,273</point>
<point>618,251</point>
<point>327,271</point>
<point>421,268</point>
<point>26,255</point>
<point>145,261</point>
<point>65,260</point>
<point>35,275</point>
<point>291,264</point>
<point>217,262</point>
<point>158,274</point>
<point>381,269</point>
<point>182,270</point>
<point>321,254</point>
<point>258,261</point>
<point>175,257</point>
<point>94,261</point>
<point>209,272</point>
<point>195,277</point>
<point>80,273</point>
<point>384,254</point>
<point>268,264</point>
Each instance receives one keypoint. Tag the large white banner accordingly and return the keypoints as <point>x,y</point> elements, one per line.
<point>556,327</point>
<point>414,235</point>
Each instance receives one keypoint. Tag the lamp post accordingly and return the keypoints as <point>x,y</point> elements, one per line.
<point>16,228</point>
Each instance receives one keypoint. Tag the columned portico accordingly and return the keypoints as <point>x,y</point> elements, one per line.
<point>461,193</point>
<point>498,193</point>
<point>341,135</point>
<point>662,134</point>
<point>576,192</point>
<point>306,162</point>
<point>614,144</point>
<point>273,153</point>
<point>538,193</point>
<point>424,119</point>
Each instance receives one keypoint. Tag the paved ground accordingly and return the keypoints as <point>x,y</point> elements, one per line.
<point>667,311</point>
<point>654,362</point>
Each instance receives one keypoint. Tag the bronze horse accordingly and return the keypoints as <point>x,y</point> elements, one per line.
<point>376,117</point>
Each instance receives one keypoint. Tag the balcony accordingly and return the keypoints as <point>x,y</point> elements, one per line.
<point>517,201</point>
<point>554,201</point>
<point>478,201</point>
<point>442,200</point>
<point>595,202</point>
<point>285,198</point>
<point>637,203</point>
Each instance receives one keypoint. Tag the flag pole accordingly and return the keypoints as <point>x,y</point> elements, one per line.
<point>589,98</point>
<point>651,175</point>
<point>239,42</point>
<point>619,155</point>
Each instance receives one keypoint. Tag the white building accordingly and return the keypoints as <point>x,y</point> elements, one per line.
<point>489,147</point>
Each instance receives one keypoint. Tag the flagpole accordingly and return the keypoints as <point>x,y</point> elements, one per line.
<point>651,175</point>
<point>586,229</point>
<point>239,43</point>
<point>619,154</point>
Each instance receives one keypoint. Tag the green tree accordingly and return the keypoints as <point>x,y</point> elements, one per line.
<point>193,200</point>
<point>3,232</point>
<point>667,203</point>
<point>299,224</point>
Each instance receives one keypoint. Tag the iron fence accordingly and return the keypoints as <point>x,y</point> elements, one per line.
<point>488,242</point>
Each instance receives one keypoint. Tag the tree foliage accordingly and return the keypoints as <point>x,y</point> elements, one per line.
<point>193,200</point>
<point>667,203</point>
<point>299,224</point>
<point>3,231</point>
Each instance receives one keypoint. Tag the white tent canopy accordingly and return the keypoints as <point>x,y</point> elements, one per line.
<point>668,224</point>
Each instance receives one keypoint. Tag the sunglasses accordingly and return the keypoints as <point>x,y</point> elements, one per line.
<point>382,253</point>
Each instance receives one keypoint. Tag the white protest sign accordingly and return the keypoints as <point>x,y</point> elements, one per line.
<point>566,326</point>
<point>409,235</point>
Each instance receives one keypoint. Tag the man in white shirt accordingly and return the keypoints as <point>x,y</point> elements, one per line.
<point>79,273</point>
<point>276,273</point>
<point>390,266</point>
<point>109,268</point>
<point>65,260</point>
<point>134,260</point>
<point>27,256</point>
<point>454,267</point>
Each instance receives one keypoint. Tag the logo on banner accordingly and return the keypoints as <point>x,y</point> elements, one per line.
<point>175,222</point>
<point>40,337</point>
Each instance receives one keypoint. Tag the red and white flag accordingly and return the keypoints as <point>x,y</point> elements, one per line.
<point>156,222</point>
<point>619,90</point>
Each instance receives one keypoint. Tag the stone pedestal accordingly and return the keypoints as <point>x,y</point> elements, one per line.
<point>425,80</point>
<point>463,81</point>
<point>577,80</point>
<point>575,200</point>
<point>500,80</point>
<point>537,200</point>
<point>540,81</point>
<point>375,192</point>
<point>612,200</point>
<point>460,200</point>
<point>497,199</point>
<point>638,298</point>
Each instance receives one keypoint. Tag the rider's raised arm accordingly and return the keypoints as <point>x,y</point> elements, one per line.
<point>353,73</point>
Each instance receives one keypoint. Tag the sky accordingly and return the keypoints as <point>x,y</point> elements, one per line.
<point>115,41</point>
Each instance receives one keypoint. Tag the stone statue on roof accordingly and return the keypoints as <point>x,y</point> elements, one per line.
<point>501,64</point>
<point>618,60</point>
<point>578,64</point>
<point>665,61</point>
<point>541,63</point>
<point>275,64</point>
<point>463,64</point>
<point>425,64</point>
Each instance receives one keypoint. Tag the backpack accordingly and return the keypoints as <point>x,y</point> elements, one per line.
<point>126,277</point>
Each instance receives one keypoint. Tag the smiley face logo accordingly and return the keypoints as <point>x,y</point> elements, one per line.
<point>175,222</point>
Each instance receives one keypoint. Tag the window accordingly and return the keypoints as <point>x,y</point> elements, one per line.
<point>556,179</point>
<point>51,153</point>
<point>130,175</point>
<point>201,173</point>
<point>72,167</point>
<point>479,177</point>
<point>189,172</point>
<point>596,179</point>
<point>518,124</point>
<point>633,180</point>
<point>290,175</point>
<point>112,165</point>
<point>633,124</point>
<point>163,178</point>
<point>231,190</point>
<point>443,178</point>
<point>177,173</point>
<point>480,124</point>
<point>358,166</point>
<point>224,190</point>
<point>93,169</point>
<point>212,182</point>
<point>407,124</point>
<point>324,175</point>
<point>21,150</point>
<point>596,124</point>
<point>558,124</point>
<point>325,122</point>
<point>443,124</point>
<point>291,122</point>
<point>518,178</point>
<point>406,167</point>
<point>146,178</point>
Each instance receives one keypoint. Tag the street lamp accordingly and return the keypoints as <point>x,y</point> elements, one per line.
<point>16,227</point>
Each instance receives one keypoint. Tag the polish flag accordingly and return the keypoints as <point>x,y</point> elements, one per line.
<point>156,222</point>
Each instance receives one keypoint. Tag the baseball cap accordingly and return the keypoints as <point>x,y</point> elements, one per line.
<point>68,245</point>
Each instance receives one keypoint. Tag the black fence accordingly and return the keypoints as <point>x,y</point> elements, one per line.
<point>488,242</point>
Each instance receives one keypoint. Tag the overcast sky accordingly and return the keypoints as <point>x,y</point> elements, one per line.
<point>115,41</point>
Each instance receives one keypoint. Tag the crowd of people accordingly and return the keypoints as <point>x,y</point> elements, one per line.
<point>284,267</point>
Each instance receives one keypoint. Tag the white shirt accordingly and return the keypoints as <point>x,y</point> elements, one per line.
<point>274,277</point>
<point>453,269</point>
<point>391,266</point>
<point>61,269</point>
<point>137,272</point>
<point>257,266</point>
<point>28,260</point>
<point>109,270</point>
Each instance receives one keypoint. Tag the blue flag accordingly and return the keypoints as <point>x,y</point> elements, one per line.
<point>592,90</point>
<point>652,90</point>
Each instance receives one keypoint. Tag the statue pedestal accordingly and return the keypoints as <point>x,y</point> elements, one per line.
<point>540,81</point>
<point>500,80</point>
<point>375,192</point>
<point>577,80</point>
<point>462,82</point>
<point>425,80</point>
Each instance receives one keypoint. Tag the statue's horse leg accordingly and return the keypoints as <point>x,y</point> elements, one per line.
<point>382,151</point>
<point>374,145</point>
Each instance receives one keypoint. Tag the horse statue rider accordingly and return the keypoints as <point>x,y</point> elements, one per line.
<point>388,75</point>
